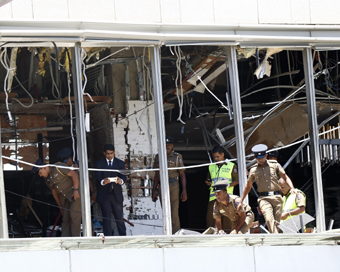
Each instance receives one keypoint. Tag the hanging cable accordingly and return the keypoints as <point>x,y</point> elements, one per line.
<point>3,61</point>
<point>179,75</point>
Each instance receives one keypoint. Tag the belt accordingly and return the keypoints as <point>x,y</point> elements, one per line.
<point>270,193</point>
<point>173,179</point>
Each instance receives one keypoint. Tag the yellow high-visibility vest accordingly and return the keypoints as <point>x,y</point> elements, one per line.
<point>216,174</point>
<point>289,204</point>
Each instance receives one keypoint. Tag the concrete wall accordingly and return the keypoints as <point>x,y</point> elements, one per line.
<point>252,258</point>
<point>131,137</point>
<point>178,11</point>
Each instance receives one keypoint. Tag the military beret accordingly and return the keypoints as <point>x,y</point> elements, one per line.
<point>259,151</point>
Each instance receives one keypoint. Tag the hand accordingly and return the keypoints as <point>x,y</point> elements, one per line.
<point>240,207</point>
<point>184,196</point>
<point>208,183</point>
<point>75,195</point>
<point>284,216</point>
<point>61,210</point>
<point>293,191</point>
<point>233,231</point>
<point>154,196</point>
<point>106,181</point>
<point>119,181</point>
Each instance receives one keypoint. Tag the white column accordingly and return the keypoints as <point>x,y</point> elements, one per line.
<point>159,112</point>
<point>314,140</point>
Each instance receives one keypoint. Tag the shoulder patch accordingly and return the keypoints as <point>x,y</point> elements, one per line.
<point>235,170</point>
<point>214,209</point>
<point>180,161</point>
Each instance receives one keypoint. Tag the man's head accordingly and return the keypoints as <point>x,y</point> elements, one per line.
<point>220,190</point>
<point>259,152</point>
<point>64,155</point>
<point>169,144</point>
<point>284,186</point>
<point>218,153</point>
<point>44,172</point>
<point>273,155</point>
<point>109,151</point>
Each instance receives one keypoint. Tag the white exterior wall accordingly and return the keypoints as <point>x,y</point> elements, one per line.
<point>251,258</point>
<point>201,12</point>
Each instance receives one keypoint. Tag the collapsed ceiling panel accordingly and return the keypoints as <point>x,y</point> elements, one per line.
<point>285,127</point>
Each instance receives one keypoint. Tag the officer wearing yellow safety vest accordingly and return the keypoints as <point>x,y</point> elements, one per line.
<point>221,171</point>
<point>293,203</point>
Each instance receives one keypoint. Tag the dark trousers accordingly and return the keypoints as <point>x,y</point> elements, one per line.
<point>110,203</point>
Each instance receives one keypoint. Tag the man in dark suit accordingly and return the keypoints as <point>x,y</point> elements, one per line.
<point>109,195</point>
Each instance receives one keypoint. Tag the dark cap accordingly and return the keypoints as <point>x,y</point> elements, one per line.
<point>259,151</point>
<point>273,153</point>
<point>36,169</point>
<point>169,140</point>
<point>64,154</point>
<point>220,185</point>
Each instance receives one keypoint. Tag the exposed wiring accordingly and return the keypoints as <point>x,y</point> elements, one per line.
<point>71,113</point>
<point>179,75</point>
<point>96,63</point>
<point>54,85</point>
<point>4,63</point>
<point>205,86</point>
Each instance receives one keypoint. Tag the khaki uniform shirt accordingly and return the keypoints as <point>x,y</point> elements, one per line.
<point>266,176</point>
<point>174,160</point>
<point>60,181</point>
<point>229,210</point>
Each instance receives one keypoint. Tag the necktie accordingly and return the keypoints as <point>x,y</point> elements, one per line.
<point>110,164</point>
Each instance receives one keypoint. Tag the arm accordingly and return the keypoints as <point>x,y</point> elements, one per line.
<point>92,194</point>
<point>287,180</point>
<point>234,183</point>
<point>184,195</point>
<point>75,179</point>
<point>155,186</point>
<point>239,223</point>
<point>293,212</point>
<point>246,191</point>
<point>218,223</point>
<point>56,198</point>
<point>234,176</point>
<point>208,180</point>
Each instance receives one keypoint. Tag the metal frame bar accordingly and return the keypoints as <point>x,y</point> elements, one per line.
<point>3,209</point>
<point>162,156</point>
<point>238,121</point>
<point>81,141</point>
<point>314,140</point>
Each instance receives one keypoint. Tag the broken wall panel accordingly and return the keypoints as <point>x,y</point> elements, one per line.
<point>18,142</point>
<point>132,140</point>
